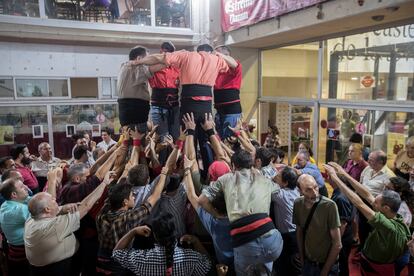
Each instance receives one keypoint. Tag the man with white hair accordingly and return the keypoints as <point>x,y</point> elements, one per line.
<point>45,162</point>
<point>48,237</point>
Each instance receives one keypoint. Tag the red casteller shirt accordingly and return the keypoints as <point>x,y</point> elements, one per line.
<point>230,79</point>
<point>29,179</point>
<point>165,78</point>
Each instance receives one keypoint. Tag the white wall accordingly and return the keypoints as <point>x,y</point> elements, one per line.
<point>40,60</point>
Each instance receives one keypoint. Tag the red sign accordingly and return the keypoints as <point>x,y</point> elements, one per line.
<point>367,81</point>
<point>238,13</point>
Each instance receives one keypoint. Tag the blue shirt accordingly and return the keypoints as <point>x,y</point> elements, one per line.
<point>219,230</point>
<point>314,171</point>
<point>13,215</point>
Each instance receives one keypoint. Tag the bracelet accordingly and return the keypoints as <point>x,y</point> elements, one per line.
<point>163,174</point>
<point>237,133</point>
<point>187,169</point>
<point>136,142</point>
<point>190,132</point>
<point>125,143</point>
<point>180,144</point>
<point>210,132</point>
<point>186,173</point>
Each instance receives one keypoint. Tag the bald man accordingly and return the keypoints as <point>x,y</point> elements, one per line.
<point>48,237</point>
<point>319,240</point>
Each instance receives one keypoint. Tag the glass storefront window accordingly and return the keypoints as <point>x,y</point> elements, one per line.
<point>70,119</point>
<point>336,126</point>
<point>172,13</point>
<point>290,71</point>
<point>31,88</point>
<point>21,7</point>
<point>377,65</point>
<point>301,128</point>
<point>41,88</point>
<point>20,125</point>
<point>6,88</point>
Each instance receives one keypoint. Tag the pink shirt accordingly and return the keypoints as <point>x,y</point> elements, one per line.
<point>197,67</point>
<point>29,179</point>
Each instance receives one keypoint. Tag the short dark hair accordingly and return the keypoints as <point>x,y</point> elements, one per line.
<point>219,203</point>
<point>75,137</point>
<point>107,130</point>
<point>79,151</point>
<point>172,183</point>
<point>356,138</point>
<point>16,150</point>
<point>391,199</point>
<point>290,176</point>
<point>205,48</point>
<point>168,46</point>
<point>8,187</point>
<point>242,159</point>
<point>3,161</point>
<point>138,175</point>
<point>7,174</point>
<point>137,51</point>
<point>264,155</point>
<point>117,194</point>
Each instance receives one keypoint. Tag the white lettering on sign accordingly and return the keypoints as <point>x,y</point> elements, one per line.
<point>234,18</point>
<point>234,6</point>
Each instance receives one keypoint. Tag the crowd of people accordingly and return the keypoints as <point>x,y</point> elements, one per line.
<point>183,193</point>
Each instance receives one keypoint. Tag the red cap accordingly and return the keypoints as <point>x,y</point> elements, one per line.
<point>217,169</point>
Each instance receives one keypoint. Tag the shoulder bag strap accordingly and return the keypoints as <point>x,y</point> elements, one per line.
<point>308,220</point>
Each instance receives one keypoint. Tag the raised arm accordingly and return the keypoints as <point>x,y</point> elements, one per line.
<point>136,149</point>
<point>353,197</point>
<point>231,62</point>
<point>98,164</point>
<point>150,60</point>
<point>191,194</point>
<point>208,127</point>
<point>126,240</point>
<point>359,188</point>
<point>88,202</point>
<point>159,187</point>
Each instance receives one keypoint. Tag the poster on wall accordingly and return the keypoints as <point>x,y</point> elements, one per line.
<point>239,13</point>
<point>37,131</point>
<point>395,144</point>
<point>96,130</point>
<point>70,130</point>
<point>6,135</point>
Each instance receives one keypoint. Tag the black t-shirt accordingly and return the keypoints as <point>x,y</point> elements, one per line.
<point>346,213</point>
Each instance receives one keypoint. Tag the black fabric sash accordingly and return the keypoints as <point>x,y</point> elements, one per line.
<point>226,95</point>
<point>164,97</point>
<point>133,111</point>
<point>195,90</point>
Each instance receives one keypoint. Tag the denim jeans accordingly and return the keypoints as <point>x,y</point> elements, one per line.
<point>224,121</point>
<point>263,250</point>
<point>167,120</point>
<point>311,269</point>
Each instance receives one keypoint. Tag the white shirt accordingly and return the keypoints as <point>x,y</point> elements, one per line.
<point>375,182</point>
<point>41,167</point>
<point>103,145</point>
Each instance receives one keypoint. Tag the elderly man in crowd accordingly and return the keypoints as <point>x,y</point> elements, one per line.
<point>389,236</point>
<point>304,166</point>
<point>13,214</point>
<point>48,236</point>
<point>44,163</point>
<point>21,156</point>
<point>317,229</point>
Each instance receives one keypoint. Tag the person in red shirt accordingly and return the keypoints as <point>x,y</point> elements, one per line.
<point>227,97</point>
<point>198,74</point>
<point>165,109</point>
<point>21,156</point>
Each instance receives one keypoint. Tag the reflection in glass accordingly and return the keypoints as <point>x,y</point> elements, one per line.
<point>173,13</point>
<point>6,88</point>
<point>376,65</point>
<point>301,128</point>
<point>16,124</point>
<point>21,7</point>
<point>31,88</point>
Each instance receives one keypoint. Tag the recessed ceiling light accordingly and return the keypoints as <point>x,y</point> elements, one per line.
<point>354,78</point>
<point>392,8</point>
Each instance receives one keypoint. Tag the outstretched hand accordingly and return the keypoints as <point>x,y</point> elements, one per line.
<point>189,122</point>
<point>208,122</point>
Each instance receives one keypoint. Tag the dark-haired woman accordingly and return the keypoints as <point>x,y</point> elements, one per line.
<point>288,263</point>
<point>166,258</point>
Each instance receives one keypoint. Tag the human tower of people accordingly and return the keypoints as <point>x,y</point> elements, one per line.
<point>183,193</point>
